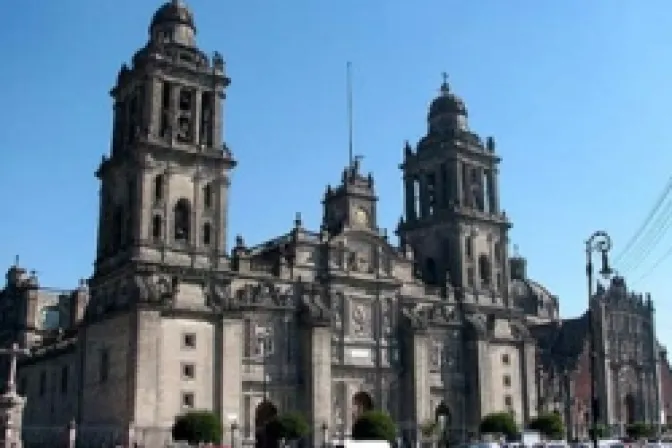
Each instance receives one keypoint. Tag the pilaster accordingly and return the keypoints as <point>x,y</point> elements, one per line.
<point>229,369</point>
<point>417,387</point>
<point>528,378</point>
<point>147,375</point>
<point>318,384</point>
<point>486,398</point>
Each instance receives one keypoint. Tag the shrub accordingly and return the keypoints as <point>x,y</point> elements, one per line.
<point>639,430</point>
<point>198,426</point>
<point>374,425</point>
<point>293,426</point>
<point>499,423</point>
<point>550,425</point>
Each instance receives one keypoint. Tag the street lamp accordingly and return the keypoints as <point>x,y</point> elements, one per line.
<point>600,242</point>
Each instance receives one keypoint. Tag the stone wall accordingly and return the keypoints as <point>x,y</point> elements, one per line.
<point>50,384</point>
<point>106,386</point>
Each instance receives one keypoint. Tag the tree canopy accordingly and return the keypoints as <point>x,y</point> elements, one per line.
<point>639,430</point>
<point>499,423</point>
<point>374,425</point>
<point>549,424</point>
<point>198,426</point>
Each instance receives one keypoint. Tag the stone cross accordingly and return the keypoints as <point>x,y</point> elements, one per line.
<point>13,352</point>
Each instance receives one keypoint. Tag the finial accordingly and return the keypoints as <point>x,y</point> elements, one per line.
<point>16,261</point>
<point>356,161</point>
<point>297,220</point>
<point>240,242</point>
<point>444,85</point>
<point>516,252</point>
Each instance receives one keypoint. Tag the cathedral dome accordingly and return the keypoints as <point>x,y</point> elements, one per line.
<point>447,111</point>
<point>172,13</point>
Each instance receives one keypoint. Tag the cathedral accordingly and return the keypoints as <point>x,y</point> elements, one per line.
<point>325,322</point>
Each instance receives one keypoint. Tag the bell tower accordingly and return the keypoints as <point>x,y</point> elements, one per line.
<point>353,203</point>
<point>164,186</point>
<point>453,219</point>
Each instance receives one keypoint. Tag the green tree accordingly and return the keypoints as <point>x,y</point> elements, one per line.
<point>198,426</point>
<point>639,430</point>
<point>548,424</point>
<point>374,425</point>
<point>499,423</point>
<point>293,426</point>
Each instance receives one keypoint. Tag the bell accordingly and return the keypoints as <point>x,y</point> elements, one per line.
<point>606,270</point>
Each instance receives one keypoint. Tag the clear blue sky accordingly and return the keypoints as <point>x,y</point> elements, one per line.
<point>576,93</point>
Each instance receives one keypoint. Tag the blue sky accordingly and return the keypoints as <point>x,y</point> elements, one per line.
<point>575,92</point>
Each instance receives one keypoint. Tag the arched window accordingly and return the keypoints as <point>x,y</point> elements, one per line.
<point>181,218</point>
<point>207,234</point>
<point>158,188</point>
<point>157,227</point>
<point>484,269</point>
<point>207,196</point>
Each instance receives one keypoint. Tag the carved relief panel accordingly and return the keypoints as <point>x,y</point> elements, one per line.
<point>361,319</point>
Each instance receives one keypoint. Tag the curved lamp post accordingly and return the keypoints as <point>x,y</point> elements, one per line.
<point>599,242</point>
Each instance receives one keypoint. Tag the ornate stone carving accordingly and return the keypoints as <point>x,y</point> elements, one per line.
<point>312,305</point>
<point>156,291</point>
<point>442,313</point>
<point>264,295</point>
<point>416,317</point>
<point>435,350</point>
<point>360,319</point>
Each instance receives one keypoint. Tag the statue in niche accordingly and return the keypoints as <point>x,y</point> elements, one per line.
<point>360,320</point>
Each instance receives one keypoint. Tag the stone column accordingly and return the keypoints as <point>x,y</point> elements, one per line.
<point>459,183</point>
<point>487,402</point>
<point>415,399</point>
<point>529,368</point>
<point>229,368</point>
<point>147,355</point>
<point>319,379</point>
<point>196,111</point>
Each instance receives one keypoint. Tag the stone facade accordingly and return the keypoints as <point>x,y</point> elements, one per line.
<point>326,322</point>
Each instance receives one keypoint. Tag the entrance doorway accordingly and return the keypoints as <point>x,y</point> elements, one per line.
<point>629,408</point>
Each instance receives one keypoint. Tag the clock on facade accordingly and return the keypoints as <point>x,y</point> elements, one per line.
<point>361,216</point>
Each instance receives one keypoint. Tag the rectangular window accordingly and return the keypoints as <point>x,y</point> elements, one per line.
<point>470,277</point>
<point>188,400</point>
<point>104,367</point>
<point>64,379</point>
<point>189,341</point>
<point>505,359</point>
<point>507,381</point>
<point>188,371</point>
<point>508,401</point>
